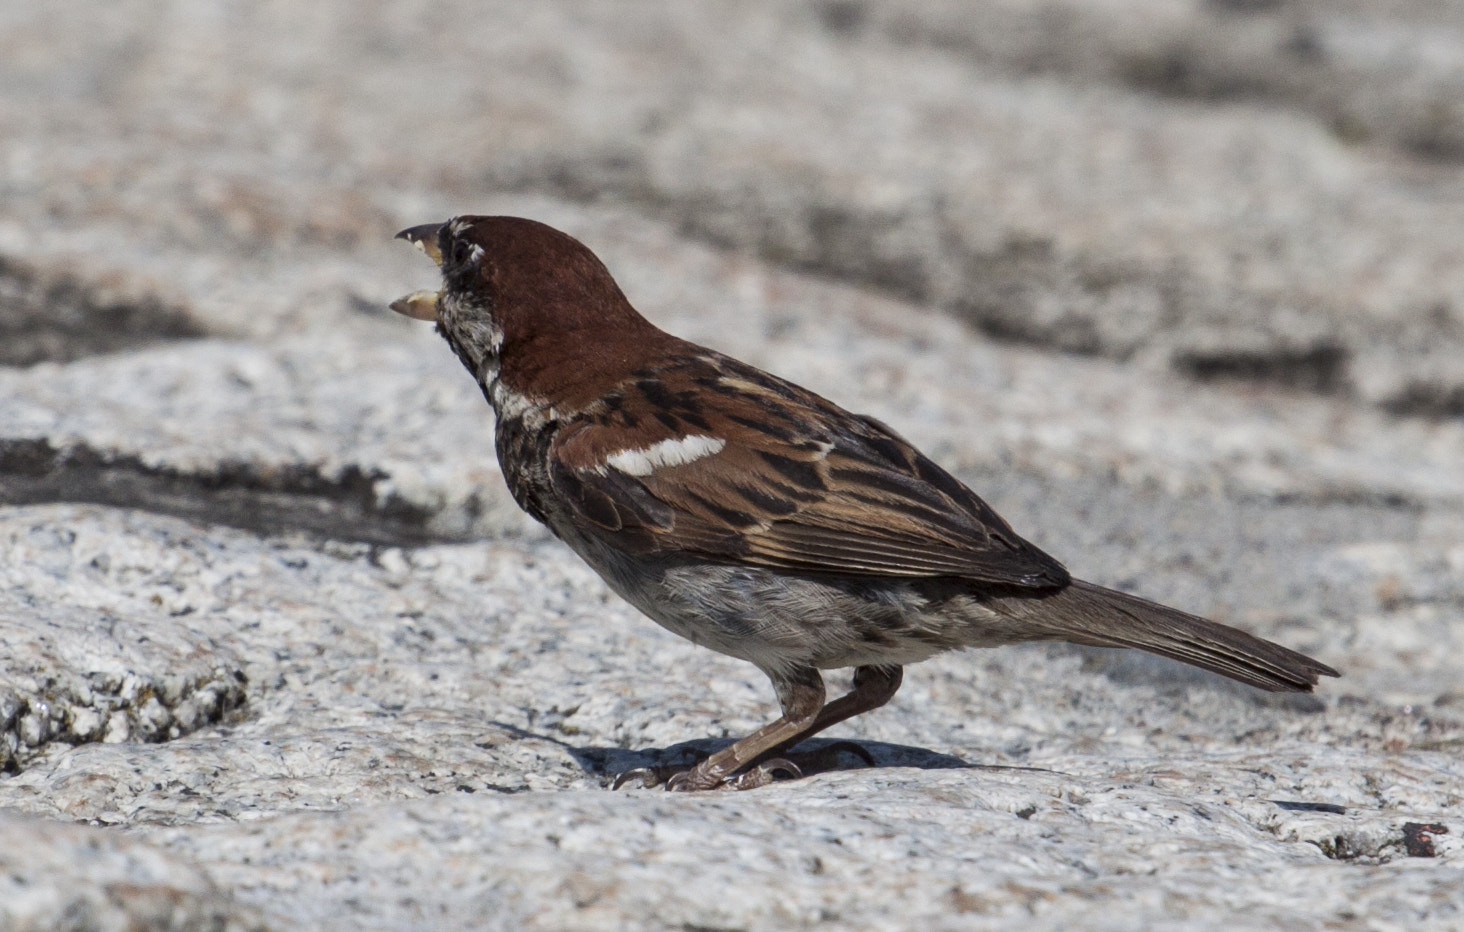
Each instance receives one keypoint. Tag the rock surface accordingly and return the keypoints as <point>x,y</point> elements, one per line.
<point>1177,286</point>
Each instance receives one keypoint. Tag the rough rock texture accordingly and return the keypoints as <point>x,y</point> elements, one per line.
<point>1178,286</point>
<point>124,884</point>
<point>79,676</point>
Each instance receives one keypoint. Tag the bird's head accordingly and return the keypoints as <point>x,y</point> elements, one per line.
<point>523,302</point>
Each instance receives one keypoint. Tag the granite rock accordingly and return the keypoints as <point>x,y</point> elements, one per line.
<point>73,877</point>
<point>1174,285</point>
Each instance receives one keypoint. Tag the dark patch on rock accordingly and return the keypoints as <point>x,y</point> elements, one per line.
<point>844,17</point>
<point>1437,134</point>
<point>1180,72</point>
<point>47,317</point>
<point>1427,399</point>
<point>296,497</point>
<point>1294,806</point>
<point>1321,367</point>
<point>1418,838</point>
<point>1245,6</point>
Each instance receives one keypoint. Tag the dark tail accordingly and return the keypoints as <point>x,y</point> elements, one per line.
<point>1087,614</point>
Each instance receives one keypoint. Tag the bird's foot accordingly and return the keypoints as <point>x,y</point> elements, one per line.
<point>679,779</point>
<point>648,777</point>
<point>700,778</point>
<point>761,775</point>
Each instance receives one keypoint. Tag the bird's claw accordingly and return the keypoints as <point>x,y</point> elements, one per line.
<point>649,777</point>
<point>694,780</point>
<point>764,774</point>
<point>776,770</point>
<point>827,758</point>
<point>697,779</point>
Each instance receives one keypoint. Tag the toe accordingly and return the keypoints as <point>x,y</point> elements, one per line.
<point>696,780</point>
<point>774,771</point>
<point>649,777</point>
<point>848,747</point>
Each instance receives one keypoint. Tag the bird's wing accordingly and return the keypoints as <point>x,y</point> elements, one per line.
<point>709,457</point>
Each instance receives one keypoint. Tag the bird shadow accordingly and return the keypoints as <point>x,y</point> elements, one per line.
<point>814,756</point>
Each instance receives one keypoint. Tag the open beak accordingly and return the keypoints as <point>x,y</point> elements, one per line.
<point>421,304</point>
<point>424,238</point>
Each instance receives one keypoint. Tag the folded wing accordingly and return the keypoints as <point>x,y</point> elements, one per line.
<point>729,463</point>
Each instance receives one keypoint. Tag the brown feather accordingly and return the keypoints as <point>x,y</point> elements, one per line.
<point>1084,613</point>
<point>835,494</point>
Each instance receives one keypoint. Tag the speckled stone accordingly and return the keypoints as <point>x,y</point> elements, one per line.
<point>277,651</point>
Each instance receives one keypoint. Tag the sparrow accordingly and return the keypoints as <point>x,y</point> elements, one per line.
<point>750,515</point>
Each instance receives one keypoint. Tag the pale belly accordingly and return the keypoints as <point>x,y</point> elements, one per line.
<point>779,621</point>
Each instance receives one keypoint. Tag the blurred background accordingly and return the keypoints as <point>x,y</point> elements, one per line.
<point>1262,191</point>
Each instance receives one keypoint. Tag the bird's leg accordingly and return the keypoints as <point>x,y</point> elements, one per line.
<point>801,694</point>
<point>873,687</point>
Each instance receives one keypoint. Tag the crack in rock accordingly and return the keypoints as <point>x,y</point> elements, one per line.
<point>296,497</point>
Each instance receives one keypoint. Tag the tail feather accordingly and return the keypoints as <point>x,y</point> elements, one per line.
<point>1087,614</point>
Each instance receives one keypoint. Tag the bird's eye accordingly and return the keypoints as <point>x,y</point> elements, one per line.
<point>461,250</point>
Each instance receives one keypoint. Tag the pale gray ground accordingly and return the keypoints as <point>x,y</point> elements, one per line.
<point>1177,285</point>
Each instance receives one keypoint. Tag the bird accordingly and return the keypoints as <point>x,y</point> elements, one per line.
<point>752,516</point>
